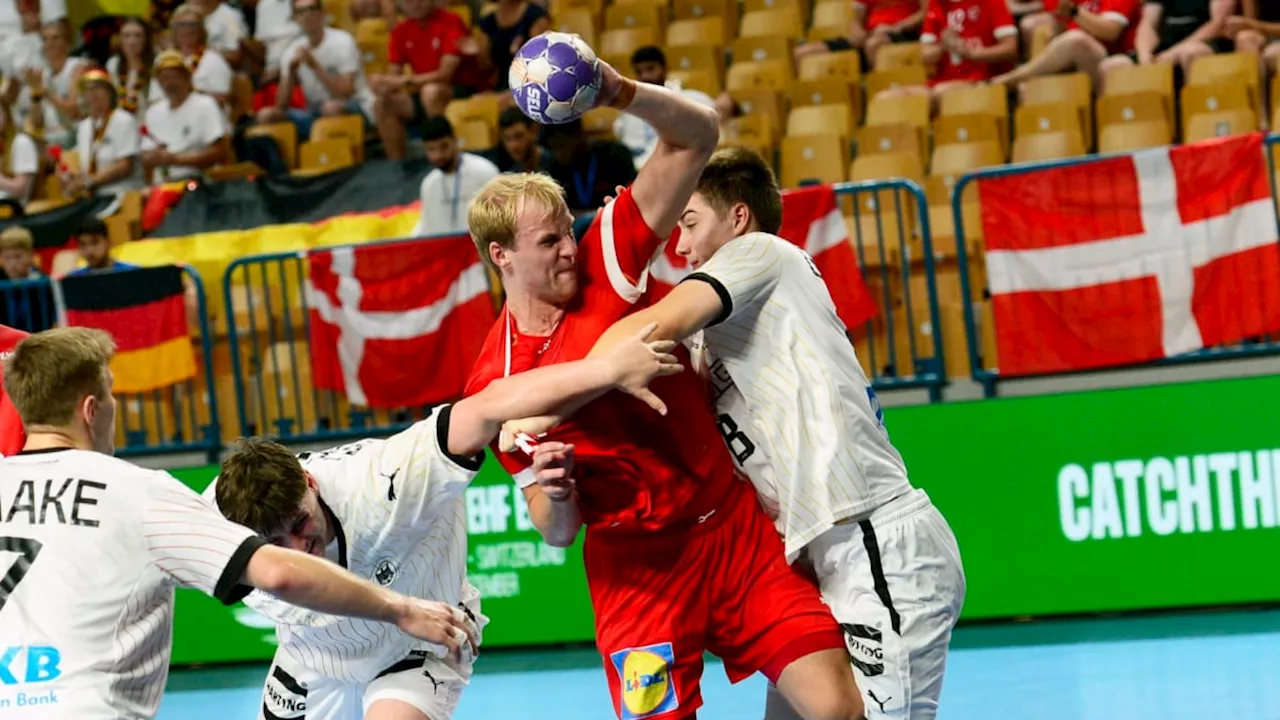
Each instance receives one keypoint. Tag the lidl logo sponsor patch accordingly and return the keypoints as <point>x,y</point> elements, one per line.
<point>645,675</point>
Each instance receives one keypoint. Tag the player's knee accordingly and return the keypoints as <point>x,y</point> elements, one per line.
<point>1249,41</point>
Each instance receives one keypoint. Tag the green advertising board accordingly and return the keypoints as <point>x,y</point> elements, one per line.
<point>1138,498</point>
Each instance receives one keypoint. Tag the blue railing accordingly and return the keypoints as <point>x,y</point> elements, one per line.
<point>181,418</point>
<point>984,370</point>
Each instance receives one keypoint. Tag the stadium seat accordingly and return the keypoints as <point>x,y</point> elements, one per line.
<point>761,102</point>
<point>762,48</point>
<point>579,21</point>
<point>899,55</point>
<point>800,7</point>
<point>1134,107</point>
<point>1136,135</point>
<point>1197,99</point>
<point>349,128</point>
<point>474,135</point>
<point>633,14</point>
<point>621,42</point>
<point>975,99</point>
<point>881,80</point>
<point>558,7</point>
<point>690,9</point>
<point>874,214</point>
<point>1040,40</point>
<point>959,158</point>
<point>1133,79</point>
<point>373,55</point>
<point>462,10</point>
<point>339,13</point>
<point>827,92</point>
<point>598,122</point>
<point>698,31</point>
<point>815,158</point>
<point>1050,117</point>
<point>286,136</point>
<point>828,119</point>
<point>373,30</point>
<point>900,138</point>
<point>910,109</point>
<point>830,20</point>
<point>751,131</point>
<point>1204,126</point>
<point>1047,146</point>
<point>1228,68</point>
<point>782,22</point>
<point>948,129</point>
<point>706,81</point>
<point>772,75</point>
<point>697,57</point>
<point>322,156</point>
<point>877,166</point>
<point>1075,88</point>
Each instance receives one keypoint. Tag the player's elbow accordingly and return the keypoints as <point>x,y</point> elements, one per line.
<point>272,571</point>
<point>706,129</point>
<point>561,536</point>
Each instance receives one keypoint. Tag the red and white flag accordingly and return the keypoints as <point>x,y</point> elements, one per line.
<point>1127,260</point>
<point>812,221</point>
<point>397,325</point>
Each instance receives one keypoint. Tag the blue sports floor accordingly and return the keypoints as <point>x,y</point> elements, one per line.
<point>1170,667</point>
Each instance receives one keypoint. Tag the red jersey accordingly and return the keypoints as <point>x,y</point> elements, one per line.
<point>12,436</point>
<point>423,43</point>
<point>886,12</point>
<point>636,470</point>
<point>980,23</point>
<point>1125,12</point>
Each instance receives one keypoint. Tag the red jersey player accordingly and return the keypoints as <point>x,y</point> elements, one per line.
<point>12,436</point>
<point>1092,30</point>
<point>680,558</point>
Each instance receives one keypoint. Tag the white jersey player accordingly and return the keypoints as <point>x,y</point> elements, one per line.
<point>801,418</point>
<point>92,548</point>
<point>392,510</point>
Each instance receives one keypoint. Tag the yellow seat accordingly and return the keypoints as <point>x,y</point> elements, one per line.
<point>752,131</point>
<point>772,75</point>
<point>621,42</point>
<point>321,156</point>
<point>881,166</point>
<point>830,20</point>
<point>949,129</point>
<point>697,57</point>
<point>598,122</point>
<point>879,139</point>
<point>286,136</point>
<point>702,80</point>
<point>844,65</point>
<point>619,16</point>
<point>1204,126</point>
<point>372,30</point>
<point>577,21</point>
<point>762,48</point>
<point>1050,117</point>
<point>341,127</point>
<point>900,55</point>
<point>1047,146</point>
<point>1133,79</point>
<point>907,76</point>
<point>760,102</point>
<point>833,119</point>
<point>910,109</point>
<point>693,9</point>
<point>955,160</point>
<point>784,22</point>
<point>820,158</point>
<point>1133,107</point>
<point>975,100</point>
<point>1198,99</point>
<point>1228,67</point>
<point>1137,135</point>
<point>474,135</point>
<point>1075,89</point>
<point>698,31</point>
<point>462,10</point>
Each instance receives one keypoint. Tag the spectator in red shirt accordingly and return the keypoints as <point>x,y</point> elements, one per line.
<point>1092,30</point>
<point>12,435</point>
<point>965,42</point>
<point>425,53</point>
<point>875,23</point>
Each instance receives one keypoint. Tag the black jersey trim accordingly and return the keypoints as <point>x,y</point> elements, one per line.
<point>726,300</point>
<point>229,590</point>
<point>470,463</point>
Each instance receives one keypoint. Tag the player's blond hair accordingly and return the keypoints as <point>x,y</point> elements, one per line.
<point>50,373</point>
<point>495,210</point>
<point>17,238</point>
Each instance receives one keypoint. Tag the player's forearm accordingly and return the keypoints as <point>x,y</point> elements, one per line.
<point>315,584</point>
<point>678,121</point>
<point>558,521</point>
<point>690,307</point>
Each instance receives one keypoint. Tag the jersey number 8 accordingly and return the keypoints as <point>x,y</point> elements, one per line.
<point>739,444</point>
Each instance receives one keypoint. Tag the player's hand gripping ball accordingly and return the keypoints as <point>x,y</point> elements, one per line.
<point>555,78</point>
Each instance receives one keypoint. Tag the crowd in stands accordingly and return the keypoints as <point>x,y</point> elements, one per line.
<point>831,90</point>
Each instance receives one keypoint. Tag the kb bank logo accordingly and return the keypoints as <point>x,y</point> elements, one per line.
<point>26,664</point>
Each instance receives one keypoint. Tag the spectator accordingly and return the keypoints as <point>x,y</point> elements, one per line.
<point>1176,32</point>
<point>506,27</point>
<point>518,149</point>
<point>418,84</point>
<point>131,67</point>
<point>22,161</point>
<point>108,143</point>
<point>875,23</point>
<point>17,254</point>
<point>649,65</point>
<point>95,249</point>
<point>12,24</point>
<point>965,42</point>
<point>1257,30</point>
<point>186,131</point>
<point>276,29</point>
<point>210,72</point>
<point>20,51</point>
<point>1092,30</point>
<point>25,307</point>
<point>447,190</point>
<point>326,62</point>
<point>54,87</point>
<point>225,29</point>
<point>588,170</point>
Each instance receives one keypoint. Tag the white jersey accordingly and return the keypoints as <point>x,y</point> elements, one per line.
<point>397,506</point>
<point>810,408</point>
<point>92,548</point>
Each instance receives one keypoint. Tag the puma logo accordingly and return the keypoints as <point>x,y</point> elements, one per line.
<point>872,694</point>
<point>391,483</point>
<point>435,684</point>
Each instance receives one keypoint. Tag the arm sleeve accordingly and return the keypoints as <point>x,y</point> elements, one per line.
<point>193,544</point>
<point>349,59</point>
<point>620,245</point>
<point>743,272</point>
<point>126,137</point>
<point>1001,19</point>
<point>934,24</point>
<point>213,124</point>
<point>395,48</point>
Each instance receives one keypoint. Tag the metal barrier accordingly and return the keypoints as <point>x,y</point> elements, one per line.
<point>182,418</point>
<point>983,368</point>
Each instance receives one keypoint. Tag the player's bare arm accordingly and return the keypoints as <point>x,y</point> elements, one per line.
<point>552,500</point>
<point>629,365</point>
<point>687,135</point>
<point>316,584</point>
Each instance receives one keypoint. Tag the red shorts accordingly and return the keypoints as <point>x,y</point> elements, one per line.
<point>661,601</point>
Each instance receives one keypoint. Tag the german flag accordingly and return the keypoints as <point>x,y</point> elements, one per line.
<point>144,311</point>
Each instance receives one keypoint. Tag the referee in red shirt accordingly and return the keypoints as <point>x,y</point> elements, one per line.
<point>12,436</point>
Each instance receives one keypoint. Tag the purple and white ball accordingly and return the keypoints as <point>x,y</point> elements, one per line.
<point>555,78</point>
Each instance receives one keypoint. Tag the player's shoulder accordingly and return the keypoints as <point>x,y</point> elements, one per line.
<point>490,362</point>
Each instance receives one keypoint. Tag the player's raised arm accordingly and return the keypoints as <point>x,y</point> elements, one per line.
<point>629,365</point>
<point>687,135</point>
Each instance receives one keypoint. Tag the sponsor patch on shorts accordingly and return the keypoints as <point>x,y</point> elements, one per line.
<point>645,675</point>
<point>284,698</point>
<point>866,648</point>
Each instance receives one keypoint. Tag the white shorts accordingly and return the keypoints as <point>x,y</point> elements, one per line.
<point>895,584</point>
<point>422,680</point>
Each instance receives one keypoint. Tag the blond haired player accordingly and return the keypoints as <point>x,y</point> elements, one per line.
<point>393,511</point>
<point>93,547</point>
<point>800,416</point>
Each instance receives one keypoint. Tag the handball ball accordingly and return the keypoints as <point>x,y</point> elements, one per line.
<point>555,78</point>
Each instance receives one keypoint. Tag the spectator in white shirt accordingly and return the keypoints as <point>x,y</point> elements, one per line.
<point>11,24</point>
<point>448,189</point>
<point>326,62</point>
<point>131,68</point>
<point>225,28</point>
<point>210,72</point>
<point>107,141</point>
<point>20,51</point>
<point>184,133</point>
<point>650,66</point>
<point>55,86</point>
<point>276,29</point>
<point>21,162</point>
